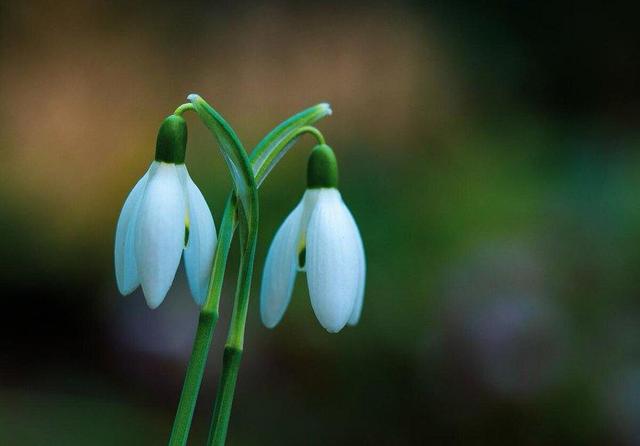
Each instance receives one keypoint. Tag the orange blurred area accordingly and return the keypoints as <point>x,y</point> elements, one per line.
<point>85,91</point>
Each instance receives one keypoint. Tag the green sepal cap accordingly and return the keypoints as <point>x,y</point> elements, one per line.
<point>322,168</point>
<point>171,144</point>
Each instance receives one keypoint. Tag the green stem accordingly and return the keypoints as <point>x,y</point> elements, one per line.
<point>262,163</point>
<point>235,339</point>
<point>222,411</point>
<point>183,108</point>
<point>225,235</point>
<point>195,370</point>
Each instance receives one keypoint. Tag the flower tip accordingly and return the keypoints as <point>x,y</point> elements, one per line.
<point>333,328</point>
<point>154,296</point>
<point>192,97</point>
<point>269,318</point>
<point>327,108</point>
<point>123,290</point>
<point>333,324</point>
<point>153,304</point>
<point>269,323</point>
<point>198,298</point>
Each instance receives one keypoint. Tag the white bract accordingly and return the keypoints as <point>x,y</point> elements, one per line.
<point>321,238</point>
<point>164,215</point>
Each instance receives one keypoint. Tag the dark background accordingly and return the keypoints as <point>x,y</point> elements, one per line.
<point>489,152</point>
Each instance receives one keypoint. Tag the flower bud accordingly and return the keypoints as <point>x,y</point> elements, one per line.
<point>322,168</point>
<point>172,140</point>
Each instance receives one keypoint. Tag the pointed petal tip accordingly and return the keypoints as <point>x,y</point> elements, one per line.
<point>154,300</point>
<point>271,314</point>
<point>268,323</point>
<point>126,291</point>
<point>153,306</point>
<point>332,328</point>
<point>333,323</point>
<point>199,300</point>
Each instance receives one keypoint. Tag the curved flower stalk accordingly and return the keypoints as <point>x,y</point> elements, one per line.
<point>320,237</point>
<point>164,217</point>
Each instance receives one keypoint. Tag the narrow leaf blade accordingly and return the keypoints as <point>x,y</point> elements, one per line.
<point>279,140</point>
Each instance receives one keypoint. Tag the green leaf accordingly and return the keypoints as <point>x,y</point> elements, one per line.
<point>234,154</point>
<point>279,140</point>
<point>247,194</point>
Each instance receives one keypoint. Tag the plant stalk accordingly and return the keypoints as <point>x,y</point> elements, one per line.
<point>193,378</point>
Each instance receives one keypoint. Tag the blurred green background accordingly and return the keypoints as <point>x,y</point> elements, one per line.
<point>489,153</point>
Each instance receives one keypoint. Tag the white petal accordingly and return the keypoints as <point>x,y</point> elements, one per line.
<point>280,267</point>
<point>357,306</point>
<point>124,256</point>
<point>159,237</point>
<point>333,261</point>
<point>309,200</point>
<point>198,254</point>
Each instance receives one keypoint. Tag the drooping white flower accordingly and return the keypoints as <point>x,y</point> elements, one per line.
<point>165,217</point>
<point>319,237</point>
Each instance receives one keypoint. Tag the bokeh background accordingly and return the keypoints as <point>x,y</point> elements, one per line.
<point>490,152</point>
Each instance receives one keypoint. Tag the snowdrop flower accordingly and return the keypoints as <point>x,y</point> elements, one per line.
<point>164,216</point>
<point>319,237</point>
